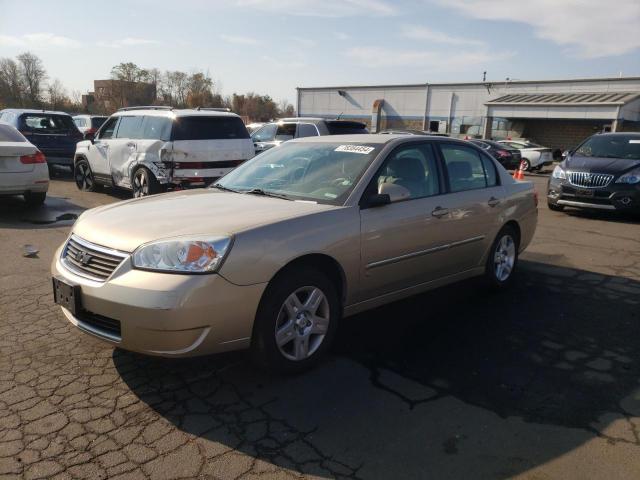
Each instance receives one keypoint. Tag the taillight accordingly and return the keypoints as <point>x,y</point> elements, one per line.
<point>37,157</point>
<point>502,153</point>
<point>91,131</point>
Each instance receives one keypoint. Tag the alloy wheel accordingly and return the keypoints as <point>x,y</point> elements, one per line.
<point>84,178</point>
<point>302,323</point>
<point>140,184</point>
<point>504,258</point>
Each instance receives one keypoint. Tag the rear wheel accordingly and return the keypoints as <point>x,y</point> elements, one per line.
<point>503,258</point>
<point>35,199</point>
<point>144,183</point>
<point>296,321</point>
<point>83,177</point>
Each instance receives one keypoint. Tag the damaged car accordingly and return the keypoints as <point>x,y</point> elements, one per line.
<point>150,150</point>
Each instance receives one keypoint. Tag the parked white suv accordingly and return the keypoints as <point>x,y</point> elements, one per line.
<point>150,149</point>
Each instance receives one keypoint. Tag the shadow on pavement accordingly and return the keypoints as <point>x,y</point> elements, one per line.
<point>56,211</point>
<point>448,381</point>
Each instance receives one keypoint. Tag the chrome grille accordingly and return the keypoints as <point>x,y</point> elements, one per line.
<point>589,180</point>
<point>90,260</point>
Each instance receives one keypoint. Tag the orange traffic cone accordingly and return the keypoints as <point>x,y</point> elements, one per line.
<point>519,173</point>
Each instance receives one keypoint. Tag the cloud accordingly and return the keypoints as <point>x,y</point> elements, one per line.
<point>341,35</point>
<point>284,65</point>
<point>586,28</point>
<point>443,61</point>
<point>304,42</point>
<point>322,8</point>
<point>238,39</point>
<point>128,42</point>
<point>416,32</point>
<point>38,41</point>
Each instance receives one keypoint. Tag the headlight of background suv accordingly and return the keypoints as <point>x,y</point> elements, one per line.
<point>558,172</point>
<point>631,177</point>
<point>182,255</point>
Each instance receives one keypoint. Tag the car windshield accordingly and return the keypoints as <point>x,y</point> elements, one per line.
<point>611,146</point>
<point>319,172</point>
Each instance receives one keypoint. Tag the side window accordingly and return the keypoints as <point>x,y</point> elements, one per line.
<point>108,128</point>
<point>414,168</point>
<point>265,134</point>
<point>130,127</point>
<point>307,130</point>
<point>286,131</point>
<point>156,128</point>
<point>80,122</point>
<point>464,168</point>
<point>490,171</point>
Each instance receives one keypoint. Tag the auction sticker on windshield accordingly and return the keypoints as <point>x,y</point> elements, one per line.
<point>355,149</point>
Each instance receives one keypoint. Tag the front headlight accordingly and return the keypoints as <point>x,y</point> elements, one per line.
<point>559,173</point>
<point>182,255</point>
<point>631,177</point>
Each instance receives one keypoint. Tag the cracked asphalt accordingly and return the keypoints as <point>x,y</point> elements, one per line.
<point>541,382</point>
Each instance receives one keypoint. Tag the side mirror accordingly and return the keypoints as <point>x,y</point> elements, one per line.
<point>377,200</point>
<point>395,192</point>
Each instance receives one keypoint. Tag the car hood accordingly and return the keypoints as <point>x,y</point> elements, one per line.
<point>612,166</point>
<point>207,212</point>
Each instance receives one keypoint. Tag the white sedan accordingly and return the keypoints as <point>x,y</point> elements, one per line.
<point>534,156</point>
<point>23,168</point>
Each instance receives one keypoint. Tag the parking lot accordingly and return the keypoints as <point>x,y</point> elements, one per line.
<point>540,382</point>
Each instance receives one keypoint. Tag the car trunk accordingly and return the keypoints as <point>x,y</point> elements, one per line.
<point>185,152</point>
<point>10,153</point>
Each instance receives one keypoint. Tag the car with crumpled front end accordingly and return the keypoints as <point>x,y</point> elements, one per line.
<point>602,173</point>
<point>277,252</point>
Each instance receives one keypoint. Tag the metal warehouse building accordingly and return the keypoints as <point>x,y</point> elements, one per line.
<point>554,113</point>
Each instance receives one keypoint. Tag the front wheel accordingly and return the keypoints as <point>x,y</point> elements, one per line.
<point>296,321</point>
<point>83,177</point>
<point>144,183</point>
<point>503,258</point>
<point>526,165</point>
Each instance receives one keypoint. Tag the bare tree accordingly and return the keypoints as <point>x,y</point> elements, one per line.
<point>33,77</point>
<point>58,98</point>
<point>11,88</point>
<point>285,109</point>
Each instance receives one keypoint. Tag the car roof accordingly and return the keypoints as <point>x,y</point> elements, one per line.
<point>184,112</point>
<point>33,110</point>
<point>374,138</point>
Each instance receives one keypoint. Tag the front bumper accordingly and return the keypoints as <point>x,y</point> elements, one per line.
<point>164,314</point>
<point>614,197</point>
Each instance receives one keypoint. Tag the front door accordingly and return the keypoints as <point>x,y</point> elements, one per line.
<point>403,243</point>
<point>99,151</point>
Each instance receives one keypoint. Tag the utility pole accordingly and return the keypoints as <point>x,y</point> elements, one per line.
<point>484,76</point>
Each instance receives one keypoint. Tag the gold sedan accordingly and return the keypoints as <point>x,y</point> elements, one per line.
<point>280,250</point>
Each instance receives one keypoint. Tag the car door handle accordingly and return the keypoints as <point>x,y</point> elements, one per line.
<point>131,145</point>
<point>493,201</point>
<point>440,212</point>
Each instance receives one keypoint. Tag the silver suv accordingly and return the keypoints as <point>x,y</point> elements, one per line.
<point>150,149</point>
<point>274,133</point>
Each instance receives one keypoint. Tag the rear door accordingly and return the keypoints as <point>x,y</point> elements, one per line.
<point>123,149</point>
<point>54,134</point>
<point>98,152</point>
<point>474,204</point>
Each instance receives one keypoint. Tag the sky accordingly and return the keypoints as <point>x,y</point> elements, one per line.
<point>273,46</point>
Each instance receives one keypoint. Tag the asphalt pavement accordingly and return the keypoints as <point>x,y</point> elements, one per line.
<point>540,382</point>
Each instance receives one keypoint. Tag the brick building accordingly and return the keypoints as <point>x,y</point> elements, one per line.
<point>554,113</point>
<point>110,95</point>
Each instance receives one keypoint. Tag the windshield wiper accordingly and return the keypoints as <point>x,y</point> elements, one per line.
<point>222,187</point>
<point>264,193</point>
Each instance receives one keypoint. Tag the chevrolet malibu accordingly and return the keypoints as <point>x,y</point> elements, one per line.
<point>276,253</point>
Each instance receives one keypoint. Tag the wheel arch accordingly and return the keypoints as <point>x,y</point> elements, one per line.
<point>516,226</point>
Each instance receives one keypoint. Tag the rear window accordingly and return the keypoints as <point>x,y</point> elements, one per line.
<point>47,123</point>
<point>209,128</point>
<point>10,134</point>
<point>346,128</point>
<point>96,122</point>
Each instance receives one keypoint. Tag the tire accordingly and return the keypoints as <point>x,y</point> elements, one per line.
<point>35,199</point>
<point>504,246</point>
<point>526,164</point>
<point>83,176</point>
<point>144,183</point>
<point>555,208</point>
<point>279,338</point>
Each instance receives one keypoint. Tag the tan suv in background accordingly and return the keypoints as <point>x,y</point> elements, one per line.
<point>276,253</point>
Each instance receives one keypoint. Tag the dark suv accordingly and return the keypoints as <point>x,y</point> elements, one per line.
<point>274,133</point>
<point>602,173</point>
<point>54,133</point>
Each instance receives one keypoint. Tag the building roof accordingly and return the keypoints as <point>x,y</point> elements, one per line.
<point>566,99</point>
